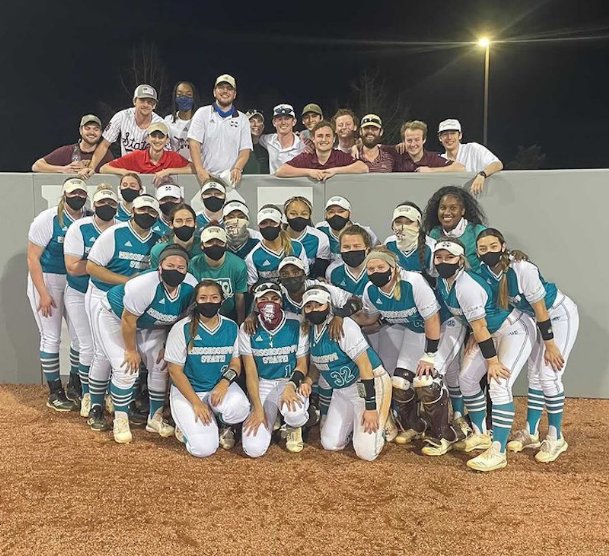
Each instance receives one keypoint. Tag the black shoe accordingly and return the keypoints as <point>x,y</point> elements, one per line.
<point>136,417</point>
<point>74,390</point>
<point>96,419</point>
<point>59,402</point>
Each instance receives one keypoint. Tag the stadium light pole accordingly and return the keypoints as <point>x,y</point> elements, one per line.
<point>485,43</point>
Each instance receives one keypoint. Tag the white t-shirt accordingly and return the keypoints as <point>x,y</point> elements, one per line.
<point>474,156</point>
<point>178,132</point>
<point>133,137</point>
<point>277,154</point>
<point>221,138</point>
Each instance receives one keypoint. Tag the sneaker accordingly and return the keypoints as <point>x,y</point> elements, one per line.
<point>391,429</point>
<point>522,439</point>
<point>74,391</point>
<point>437,447</point>
<point>85,405</point>
<point>461,424</point>
<point>180,435</point>
<point>227,438</point>
<point>294,441</point>
<point>121,430</point>
<point>160,426</point>
<point>96,419</point>
<point>109,404</point>
<point>58,401</point>
<point>137,418</point>
<point>551,449</point>
<point>489,460</point>
<point>474,441</point>
<point>404,437</point>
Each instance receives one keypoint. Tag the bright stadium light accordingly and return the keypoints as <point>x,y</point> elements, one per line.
<point>484,42</point>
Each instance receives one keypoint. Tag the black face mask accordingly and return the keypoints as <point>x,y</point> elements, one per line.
<point>76,203</point>
<point>167,207</point>
<point>446,270</point>
<point>337,222</point>
<point>317,317</point>
<point>129,194</point>
<point>354,258</point>
<point>271,233</point>
<point>173,277</point>
<point>105,212</point>
<point>184,233</point>
<point>144,221</point>
<point>213,204</point>
<point>215,252</point>
<point>491,258</point>
<point>208,310</point>
<point>298,224</point>
<point>380,279</point>
<point>293,284</point>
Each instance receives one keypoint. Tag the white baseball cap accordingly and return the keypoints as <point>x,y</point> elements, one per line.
<point>339,201</point>
<point>297,262</point>
<point>168,190</point>
<point>450,246</point>
<point>266,287</point>
<point>146,200</point>
<point>226,78</point>
<point>145,91</point>
<point>315,294</point>
<point>213,232</point>
<point>235,205</point>
<point>74,184</point>
<point>105,194</point>
<point>408,212</point>
<point>213,185</point>
<point>449,125</point>
<point>284,110</point>
<point>269,213</point>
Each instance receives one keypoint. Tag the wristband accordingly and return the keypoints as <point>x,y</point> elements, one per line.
<point>545,327</point>
<point>230,375</point>
<point>352,306</point>
<point>487,347</point>
<point>366,390</point>
<point>429,357</point>
<point>483,174</point>
<point>297,378</point>
<point>431,346</point>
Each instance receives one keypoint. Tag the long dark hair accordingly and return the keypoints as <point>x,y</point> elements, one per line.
<point>195,98</point>
<point>473,210</point>
<point>194,310</point>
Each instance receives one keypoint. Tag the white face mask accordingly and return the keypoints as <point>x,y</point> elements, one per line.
<point>236,231</point>
<point>407,235</point>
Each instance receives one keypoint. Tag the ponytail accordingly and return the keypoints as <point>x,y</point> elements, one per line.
<point>60,209</point>
<point>503,297</point>
<point>286,243</point>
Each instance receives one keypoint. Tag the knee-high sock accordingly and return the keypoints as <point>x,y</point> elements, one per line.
<point>50,365</point>
<point>555,406</point>
<point>121,398</point>
<point>503,417</point>
<point>83,373</point>
<point>476,407</point>
<point>74,356</point>
<point>456,400</point>
<point>535,402</point>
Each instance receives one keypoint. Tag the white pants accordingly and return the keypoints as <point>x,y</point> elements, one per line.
<point>100,366</point>
<point>270,391</point>
<point>390,338</point>
<point>513,343</point>
<point>75,309</point>
<point>565,324</point>
<point>202,440</point>
<point>345,418</point>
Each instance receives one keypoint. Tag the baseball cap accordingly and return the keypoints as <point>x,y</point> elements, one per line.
<point>316,294</point>
<point>226,78</point>
<point>269,213</point>
<point>449,125</point>
<point>266,287</point>
<point>371,119</point>
<point>158,126</point>
<point>408,212</point>
<point>254,112</point>
<point>145,91</point>
<point>213,185</point>
<point>90,118</point>
<point>297,262</point>
<point>74,184</point>
<point>213,232</point>
<point>339,201</point>
<point>284,110</point>
<point>450,246</point>
<point>146,200</point>
<point>235,205</point>
<point>312,108</point>
<point>168,190</point>
<point>105,194</point>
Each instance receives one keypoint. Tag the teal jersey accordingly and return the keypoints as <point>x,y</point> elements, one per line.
<point>411,260</point>
<point>121,250</point>
<point>263,263</point>
<point>468,239</point>
<point>275,352</point>
<point>470,298</point>
<point>195,248</point>
<point>161,228</point>
<point>146,297</point>
<point>415,304</point>
<point>209,354</point>
<point>340,275</point>
<point>231,275</point>
<point>333,237</point>
<point>338,297</point>
<point>244,250</point>
<point>122,214</point>
<point>315,243</point>
<point>525,284</point>
<point>336,360</point>
<point>204,220</point>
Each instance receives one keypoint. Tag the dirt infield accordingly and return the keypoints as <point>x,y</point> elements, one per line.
<point>67,490</point>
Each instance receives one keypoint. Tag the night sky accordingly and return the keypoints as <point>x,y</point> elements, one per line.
<point>61,60</point>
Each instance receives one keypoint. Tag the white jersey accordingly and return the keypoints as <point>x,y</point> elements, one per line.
<point>178,133</point>
<point>333,236</point>
<point>338,297</point>
<point>279,155</point>
<point>221,138</point>
<point>474,156</point>
<point>133,137</point>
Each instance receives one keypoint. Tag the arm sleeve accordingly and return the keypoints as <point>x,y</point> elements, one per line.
<point>338,296</point>
<point>73,243</point>
<point>368,307</point>
<point>303,344</point>
<point>103,249</point>
<point>353,342</point>
<point>484,157</point>
<point>263,140</point>
<point>472,301</point>
<point>236,347</point>
<point>529,281</point>
<point>323,249</point>
<point>113,129</point>
<point>424,298</point>
<point>41,229</point>
<point>139,293</point>
<point>245,342</point>
<point>175,347</point>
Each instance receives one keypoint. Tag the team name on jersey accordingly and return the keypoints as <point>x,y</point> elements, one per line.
<point>139,261</point>
<point>269,273</point>
<point>322,361</point>
<point>212,354</point>
<point>274,355</point>
<point>161,317</point>
<point>398,315</point>
<point>131,144</point>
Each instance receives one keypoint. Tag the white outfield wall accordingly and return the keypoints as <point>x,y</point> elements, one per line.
<point>557,217</point>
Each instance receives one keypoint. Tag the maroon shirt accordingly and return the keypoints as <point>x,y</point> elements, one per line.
<point>384,162</point>
<point>62,156</point>
<point>433,160</point>
<point>310,161</point>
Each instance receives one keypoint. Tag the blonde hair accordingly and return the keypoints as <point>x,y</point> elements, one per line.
<point>386,253</point>
<point>284,237</point>
<point>413,125</point>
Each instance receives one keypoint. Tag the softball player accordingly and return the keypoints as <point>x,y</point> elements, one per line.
<point>298,211</point>
<point>275,361</point>
<point>263,260</point>
<point>134,319</point>
<point>349,272</point>
<point>213,195</point>
<point>361,387</point>
<point>504,340</point>
<point>46,284</point>
<point>203,355</point>
<point>79,239</point>
<point>129,188</point>
<point>240,239</point>
<point>520,284</point>
<point>119,253</point>
<point>169,197</point>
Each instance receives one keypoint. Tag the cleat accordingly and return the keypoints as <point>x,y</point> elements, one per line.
<point>73,393</point>
<point>437,447</point>
<point>58,401</point>
<point>461,424</point>
<point>277,423</point>
<point>121,430</point>
<point>157,424</point>
<point>85,405</point>
<point>96,419</point>
<point>180,435</point>
<point>489,460</point>
<point>522,439</point>
<point>391,429</point>
<point>404,437</point>
<point>474,441</point>
<point>227,438</point>
<point>136,418</point>
<point>551,449</point>
<point>294,441</point>
<point>109,404</point>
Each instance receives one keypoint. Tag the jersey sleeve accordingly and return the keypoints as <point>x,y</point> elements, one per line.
<point>41,229</point>
<point>103,249</point>
<point>368,306</point>
<point>338,296</point>
<point>529,281</point>
<point>246,135</point>
<point>424,298</point>
<point>303,343</point>
<point>472,300</point>
<point>245,342</point>
<point>353,342</point>
<point>252,271</point>
<point>303,257</point>
<point>236,347</point>
<point>323,249</point>
<point>196,130</point>
<point>175,347</point>
<point>139,293</point>
<point>113,129</point>
<point>73,242</point>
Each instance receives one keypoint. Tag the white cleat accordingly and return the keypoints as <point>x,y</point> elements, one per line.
<point>461,424</point>
<point>551,449</point>
<point>474,441</point>
<point>294,442</point>
<point>404,437</point>
<point>489,460</point>
<point>227,438</point>
<point>121,430</point>
<point>391,429</point>
<point>109,404</point>
<point>85,405</point>
<point>158,425</point>
<point>521,440</point>
<point>437,448</point>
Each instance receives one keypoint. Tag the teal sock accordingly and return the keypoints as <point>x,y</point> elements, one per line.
<point>74,357</point>
<point>503,417</point>
<point>325,396</point>
<point>476,408</point>
<point>456,400</point>
<point>535,402</point>
<point>50,366</point>
<point>97,389</point>
<point>83,373</point>
<point>157,401</point>
<point>555,405</point>
<point>121,397</point>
